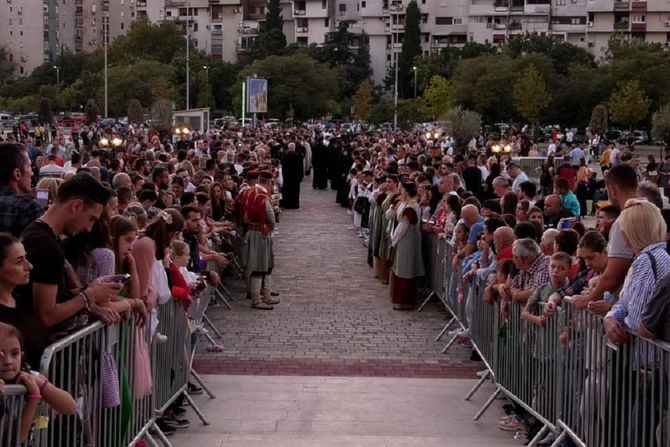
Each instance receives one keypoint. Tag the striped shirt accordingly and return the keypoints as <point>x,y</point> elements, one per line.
<point>639,285</point>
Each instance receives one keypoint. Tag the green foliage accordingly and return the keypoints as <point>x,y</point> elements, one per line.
<point>437,98</point>
<point>381,113</point>
<point>530,95</point>
<point>91,111</point>
<point>297,82</point>
<point>561,53</point>
<point>343,49</point>
<point>144,41</point>
<point>630,104</point>
<point>72,97</point>
<point>409,113</point>
<point>462,125</point>
<point>411,49</point>
<point>271,39</point>
<point>598,122</point>
<point>161,115</point>
<point>363,101</point>
<point>44,110</point>
<point>135,111</point>
<point>660,124</point>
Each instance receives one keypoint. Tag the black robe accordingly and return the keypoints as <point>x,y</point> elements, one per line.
<point>293,172</point>
<point>320,165</point>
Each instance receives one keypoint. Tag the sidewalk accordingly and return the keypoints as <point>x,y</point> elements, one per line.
<point>255,411</point>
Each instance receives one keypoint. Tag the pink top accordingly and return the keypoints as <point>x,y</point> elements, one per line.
<point>144,252</point>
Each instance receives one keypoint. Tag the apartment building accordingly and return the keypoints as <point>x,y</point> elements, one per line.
<point>36,31</point>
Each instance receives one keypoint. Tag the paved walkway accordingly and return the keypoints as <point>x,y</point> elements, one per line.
<point>261,411</point>
<point>334,318</point>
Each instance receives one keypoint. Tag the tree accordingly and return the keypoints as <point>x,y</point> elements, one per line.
<point>91,111</point>
<point>271,39</point>
<point>145,41</point>
<point>363,101</point>
<point>298,82</point>
<point>161,115</point>
<point>561,53</point>
<point>411,48</point>
<point>660,124</point>
<point>530,95</point>
<point>437,98</point>
<point>598,123</point>
<point>44,110</point>
<point>629,105</point>
<point>135,112</point>
<point>462,125</point>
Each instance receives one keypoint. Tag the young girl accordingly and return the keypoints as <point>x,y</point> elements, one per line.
<point>503,270</point>
<point>461,233</point>
<point>13,370</point>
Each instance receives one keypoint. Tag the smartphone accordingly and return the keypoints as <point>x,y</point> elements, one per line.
<point>122,279</point>
<point>42,198</point>
<point>565,223</point>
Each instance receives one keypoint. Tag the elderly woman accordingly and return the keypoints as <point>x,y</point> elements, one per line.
<point>644,232</point>
<point>406,239</point>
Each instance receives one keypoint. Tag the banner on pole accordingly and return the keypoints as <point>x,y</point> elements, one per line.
<point>258,95</point>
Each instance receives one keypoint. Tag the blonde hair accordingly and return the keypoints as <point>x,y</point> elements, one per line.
<point>642,224</point>
<point>179,247</point>
<point>188,166</point>
<point>51,184</point>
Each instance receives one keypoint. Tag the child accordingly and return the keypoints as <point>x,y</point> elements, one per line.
<point>568,198</point>
<point>503,271</point>
<point>559,268</point>
<point>13,370</point>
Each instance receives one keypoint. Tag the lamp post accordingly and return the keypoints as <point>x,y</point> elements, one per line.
<point>415,70</point>
<point>396,6</point>
<point>206,68</point>
<point>105,25</point>
<point>57,68</point>
<point>188,60</point>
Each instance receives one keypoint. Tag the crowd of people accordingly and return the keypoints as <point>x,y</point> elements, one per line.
<point>530,247</point>
<point>93,232</point>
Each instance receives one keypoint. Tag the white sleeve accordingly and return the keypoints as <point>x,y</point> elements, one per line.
<point>389,213</point>
<point>399,232</point>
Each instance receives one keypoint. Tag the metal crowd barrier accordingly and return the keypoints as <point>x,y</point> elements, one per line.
<point>565,374</point>
<point>433,250</point>
<point>107,414</point>
<point>13,401</point>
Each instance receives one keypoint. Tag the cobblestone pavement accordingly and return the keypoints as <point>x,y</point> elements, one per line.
<point>334,317</point>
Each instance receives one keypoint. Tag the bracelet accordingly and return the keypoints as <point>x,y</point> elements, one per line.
<point>36,397</point>
<point>87,301</point>
<point>44,385</point>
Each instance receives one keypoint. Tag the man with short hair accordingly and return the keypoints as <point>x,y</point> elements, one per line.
<point>79,204</point>
<point>534,269</point>
<point>622,186</point>
<point>51,169</point>
<point>199,257</point>
<point>17,210</point>
<point>121,179</point>
<point>518,175</point>
<point>500,186</point>
<point>553,211</point>
<point>527,191</point>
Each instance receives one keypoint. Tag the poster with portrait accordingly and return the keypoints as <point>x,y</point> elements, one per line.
<point>258,95</point>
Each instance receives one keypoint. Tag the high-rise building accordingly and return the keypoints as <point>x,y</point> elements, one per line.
<point>35,31</point>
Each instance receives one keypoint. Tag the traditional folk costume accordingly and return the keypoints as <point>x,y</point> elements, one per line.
<point>407,259</point>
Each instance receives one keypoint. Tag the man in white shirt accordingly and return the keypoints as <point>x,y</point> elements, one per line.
<point>51,169</point>
<point>518,175</point>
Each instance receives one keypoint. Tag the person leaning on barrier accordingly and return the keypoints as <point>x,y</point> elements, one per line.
<point>79,204</point>
<point>622,185</point>
<point>472,219</point>
<point>533,266</point>
<point>644,232</point>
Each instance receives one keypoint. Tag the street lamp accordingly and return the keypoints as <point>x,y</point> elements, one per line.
<point>415,70</point>
<point>104,142</point>
<point>116,141</point>
<point>206,68</point>
<point>188,57</point>
<point>396,4</point>
<point>57,68</point>
<point>105,28</point>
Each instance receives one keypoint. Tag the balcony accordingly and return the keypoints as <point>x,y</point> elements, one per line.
<point>621,26</point>
<point>299,12</point>
<point>621,6</point>
<point>639,6</point>
<point>638,27</point>
<point>398,27</point>
<point>302,30</point>
<point>514,26</point>
<point>141,3</point>
<point>497,26</point>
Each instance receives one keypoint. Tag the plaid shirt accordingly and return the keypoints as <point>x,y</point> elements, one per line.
<point>578,284</point>
<point>17,211</point>
<point>536,276</point>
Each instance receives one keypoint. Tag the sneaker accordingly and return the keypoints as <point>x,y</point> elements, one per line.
<point>179,424</point>
<point>178,411</point>
<point>513,425</point>
<point>482,373</point>
<point>164,427</point>
<point>193,389</point>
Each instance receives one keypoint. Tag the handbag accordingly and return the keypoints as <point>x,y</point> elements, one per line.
<point>142,380</point>
<point>111,395</point>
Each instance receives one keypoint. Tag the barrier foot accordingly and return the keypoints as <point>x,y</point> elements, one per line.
<point>209,323</point>
<point>451,342</point>
<point>444,329</point>
<point>538,437</point>
<point>164,440</point>
<point>150,440</point>
<point>425,302</point>
<point>226,292</point>
<point>202,383</point>
<point>479,383</point>
<point>559,441</point>
<point>225,301</point>
<point>196,409</point>
<point>488,403</point>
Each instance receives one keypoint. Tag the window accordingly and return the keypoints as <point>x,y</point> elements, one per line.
<point>324,4</point>
<point>444,20</point>
<point>426,37</point>
<point>458,21</point>
<point>343,7</point>
<point>302,40</point>
<point>168,13</point>
<point>560,2</point>
<point>122,25</point>
<point>195,27</point>
<point>363,4</point>
<point>326,22</point>
<point>638,18</point>
<point>424,18</point>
